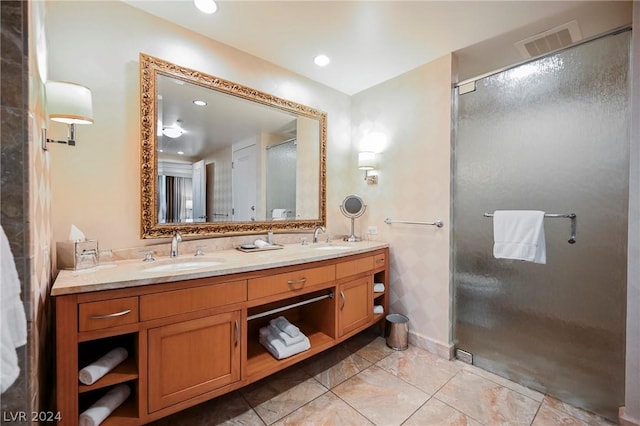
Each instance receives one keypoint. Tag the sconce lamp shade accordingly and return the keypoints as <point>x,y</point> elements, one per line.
<point>69,103</point>
<point>366,160</point>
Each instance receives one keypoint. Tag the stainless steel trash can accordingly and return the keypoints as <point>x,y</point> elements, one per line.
<point>397,332</point>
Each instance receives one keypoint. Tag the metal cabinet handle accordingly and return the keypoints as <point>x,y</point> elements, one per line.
<point>380,261</point>
<point>344,299</point>
<point>237,334</point>
<point>117,314</point>
<point>300,281</point>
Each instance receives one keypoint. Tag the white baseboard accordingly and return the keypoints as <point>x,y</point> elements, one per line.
<point>443,350</point>
<point>626,420</point>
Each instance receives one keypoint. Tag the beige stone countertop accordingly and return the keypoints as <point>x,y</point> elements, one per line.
<point>133,273</point>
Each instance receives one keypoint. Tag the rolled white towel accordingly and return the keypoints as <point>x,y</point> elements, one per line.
<point>105,406</point>
<point>283,324</point>
<point>279,350</point>
<point>378,309</point>
<point>378,288</point>
<point>288,340</point>
<point>94,371</point>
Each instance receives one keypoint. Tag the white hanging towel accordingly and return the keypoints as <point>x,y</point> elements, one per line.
<point>13,333</point>
<point>519,234</point>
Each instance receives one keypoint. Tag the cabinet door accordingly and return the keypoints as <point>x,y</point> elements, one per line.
<point>355,305</point>
<point>190,358</point>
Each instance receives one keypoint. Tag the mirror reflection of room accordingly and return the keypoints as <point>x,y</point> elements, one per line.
<point>226,159</point>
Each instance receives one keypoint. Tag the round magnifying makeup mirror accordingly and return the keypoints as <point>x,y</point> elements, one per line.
<point>353,207</point>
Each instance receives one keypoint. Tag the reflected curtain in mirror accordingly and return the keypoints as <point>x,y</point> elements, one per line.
<point>174,199</point>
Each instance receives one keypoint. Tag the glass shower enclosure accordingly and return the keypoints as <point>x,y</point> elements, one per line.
<point>550,135</point>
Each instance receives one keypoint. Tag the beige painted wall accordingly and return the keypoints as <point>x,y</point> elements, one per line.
<point>96,184</point>
<point>307,177</point>
<point>411,115</point>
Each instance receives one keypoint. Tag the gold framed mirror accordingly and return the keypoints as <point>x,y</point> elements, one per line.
<point>220,159</point>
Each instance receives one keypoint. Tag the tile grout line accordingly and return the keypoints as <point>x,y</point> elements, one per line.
<point>449,405</point>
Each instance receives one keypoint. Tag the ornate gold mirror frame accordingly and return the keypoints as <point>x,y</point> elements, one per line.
<point>150,68</point>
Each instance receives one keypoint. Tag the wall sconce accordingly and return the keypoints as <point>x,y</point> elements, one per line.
<point>367,162</point>
<point>67,103</point>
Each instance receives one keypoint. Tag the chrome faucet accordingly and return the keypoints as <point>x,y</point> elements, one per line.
<point>315,233</point>
<point>174,244</point>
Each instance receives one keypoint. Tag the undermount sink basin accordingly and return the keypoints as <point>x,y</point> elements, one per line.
<point>332,247</point>
<point>181,265</point>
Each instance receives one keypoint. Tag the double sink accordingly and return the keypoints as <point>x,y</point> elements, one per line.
<point>178,265</point>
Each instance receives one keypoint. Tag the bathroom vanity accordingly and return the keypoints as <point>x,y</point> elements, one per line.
<point>191,325</point>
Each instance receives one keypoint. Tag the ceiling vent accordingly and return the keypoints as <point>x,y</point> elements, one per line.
<point>549,41</point>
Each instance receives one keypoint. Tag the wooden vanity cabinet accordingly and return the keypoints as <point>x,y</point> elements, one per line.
<point>192,357</point>
<point>194,340</point>
<point>355,305</point>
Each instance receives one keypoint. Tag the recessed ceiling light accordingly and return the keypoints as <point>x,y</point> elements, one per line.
<point>206,6</point>
<point>322,60</point>
<point>199,102</point>
<point>172,132</point>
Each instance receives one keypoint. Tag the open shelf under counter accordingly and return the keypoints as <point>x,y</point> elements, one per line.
<point>123,372</point>
<point>378,317</point>
<point>124,415</point>
<point>260,362</point>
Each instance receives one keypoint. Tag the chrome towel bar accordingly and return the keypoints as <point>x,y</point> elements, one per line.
<point>293,305</point>
<point>437,223</point>
<point>572,216</point>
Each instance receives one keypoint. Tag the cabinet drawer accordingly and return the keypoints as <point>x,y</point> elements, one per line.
<point>107,313</point>
<point>290,281</point>
<point>379,260</point>
<point>354,267</point>
<point>160,305</point>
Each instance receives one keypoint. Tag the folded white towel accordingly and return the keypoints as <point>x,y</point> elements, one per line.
<point>13,321</point>
<point>288,340</point>
<point>279,350</point>
<point>279,214</point>
<point>94,371</point>
<point>519,234</point>
<point>284,325</point>
<point>105,406</point>
<point>378,309</point>
<point>378,288</point>
<point>261,243</point>
<point>265,332</point>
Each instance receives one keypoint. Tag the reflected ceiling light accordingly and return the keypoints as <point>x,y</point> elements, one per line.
<point>206,6</point>
<point>172,132</point>
<point>322,60</point>
<point>181,152</point>
<point>199,102</point>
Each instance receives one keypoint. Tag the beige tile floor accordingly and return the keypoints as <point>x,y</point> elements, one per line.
<point>363,382</point>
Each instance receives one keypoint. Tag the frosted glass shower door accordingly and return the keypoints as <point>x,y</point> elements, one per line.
<point>549,135</point>
<point>281,178</point>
